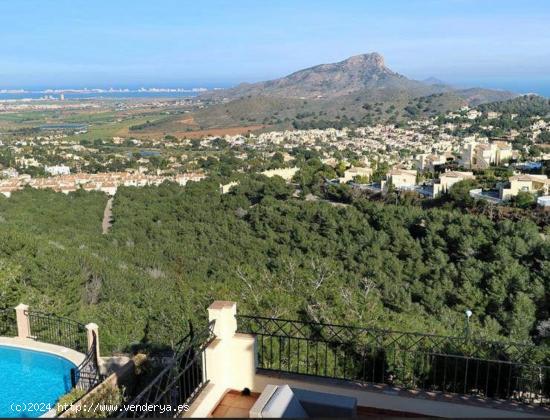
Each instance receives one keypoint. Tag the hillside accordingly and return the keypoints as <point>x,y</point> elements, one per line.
<point>358,90</point>
<point>359,108</point>
<point>173,250</point>
<point>478,96</point>
<point>526,105</point>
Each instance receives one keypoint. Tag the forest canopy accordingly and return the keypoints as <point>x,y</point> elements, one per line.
<point>173,250</point>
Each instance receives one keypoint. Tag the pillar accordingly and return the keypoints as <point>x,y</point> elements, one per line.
<point>231,357</point>
<point>91,330</point>
<point>23,323</point>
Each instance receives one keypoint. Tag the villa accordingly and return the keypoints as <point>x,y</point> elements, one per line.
<point>481,155</point>
<point>285,173</point>
<point>534,184</point>
<point>400,179</point>
<point>448,179</point>
<point>354,172</point>
<point>57,170</point>
<point>429,162</point>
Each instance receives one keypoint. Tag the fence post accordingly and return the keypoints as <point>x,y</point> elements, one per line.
<point>223,313</point>
<point>231,357</point>
<point>23,323</point>
<point>91,331</point>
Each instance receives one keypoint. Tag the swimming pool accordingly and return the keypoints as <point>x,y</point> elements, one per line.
<point>31,382</point>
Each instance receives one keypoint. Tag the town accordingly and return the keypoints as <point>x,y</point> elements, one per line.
<point>426,156</point>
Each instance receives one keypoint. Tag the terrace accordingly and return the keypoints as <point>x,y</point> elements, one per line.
<point>235,366</point>
<point>245,366</point>
<point>492,196</point>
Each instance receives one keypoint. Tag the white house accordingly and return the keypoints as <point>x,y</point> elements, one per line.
<point>534,184</point>
<point>355,171</point>
<point>285,173</point>
<point>57,170</point>
<point>400,179</point>
<point>448,179</point>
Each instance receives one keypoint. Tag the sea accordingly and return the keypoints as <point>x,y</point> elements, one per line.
<point>522,87</point>
<point>35,95</point>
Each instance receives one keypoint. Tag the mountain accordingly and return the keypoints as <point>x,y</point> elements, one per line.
<point>358,90</point>
<point>355,74</point>
<point>434,81</point>
<point>478,96</point>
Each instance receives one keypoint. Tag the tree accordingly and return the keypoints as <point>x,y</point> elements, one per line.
<point>522,317</point>
<point>277,161</point>
<point>524,199</point>
<point>460,192</point>
<point>535,151</point>
<point>11,289</point>
<point>274,254</point>
<point>312,175</point>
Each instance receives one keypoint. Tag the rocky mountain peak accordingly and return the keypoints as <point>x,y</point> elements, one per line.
<point>372,60</point>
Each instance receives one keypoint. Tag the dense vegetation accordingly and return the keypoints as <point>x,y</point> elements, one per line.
<point>527,105</point>
<point>173,250</point>
<point>149,124</point>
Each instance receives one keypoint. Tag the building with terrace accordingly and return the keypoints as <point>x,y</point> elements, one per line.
<point>253,366</point>
<point>239,365</point>
<point>477,154</point>
<point>534,184</point>
<point>448,179</point>
<point>106,182</point>
<point>356,172</point>
<point>430,162</point>
<point>285,173</point>
<point>57,170</point>
<point>400,179</point>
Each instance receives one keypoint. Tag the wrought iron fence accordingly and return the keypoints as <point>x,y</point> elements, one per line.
<point>178,384</point>
<point>8,323</point>
<point>87,376</point>
<point>428,362</point>
<point>57,330</point>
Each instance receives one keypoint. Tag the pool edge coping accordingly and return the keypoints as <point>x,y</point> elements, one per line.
<point>72,356</point>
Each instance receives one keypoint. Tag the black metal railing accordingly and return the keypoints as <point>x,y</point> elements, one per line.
<point>58,330</point>
<point>87,376</point>
<point>8,323</point>
<point>462,365</point>
<point>178,384</point>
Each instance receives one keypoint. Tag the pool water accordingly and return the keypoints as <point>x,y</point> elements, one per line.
<point>31,382</point>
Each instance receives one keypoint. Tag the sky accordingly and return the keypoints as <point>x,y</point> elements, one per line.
<point>180,43</point>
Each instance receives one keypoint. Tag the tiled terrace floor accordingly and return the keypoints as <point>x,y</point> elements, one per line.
<point>235,405</point>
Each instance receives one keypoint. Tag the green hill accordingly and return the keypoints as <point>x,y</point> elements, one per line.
<point>173,250</point>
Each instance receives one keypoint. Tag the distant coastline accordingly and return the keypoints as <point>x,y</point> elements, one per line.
<point>521,87</point>
<point>98,93</point>
<point>70,93</point>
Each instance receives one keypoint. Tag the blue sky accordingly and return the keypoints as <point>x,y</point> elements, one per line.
<point>61,43</point>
